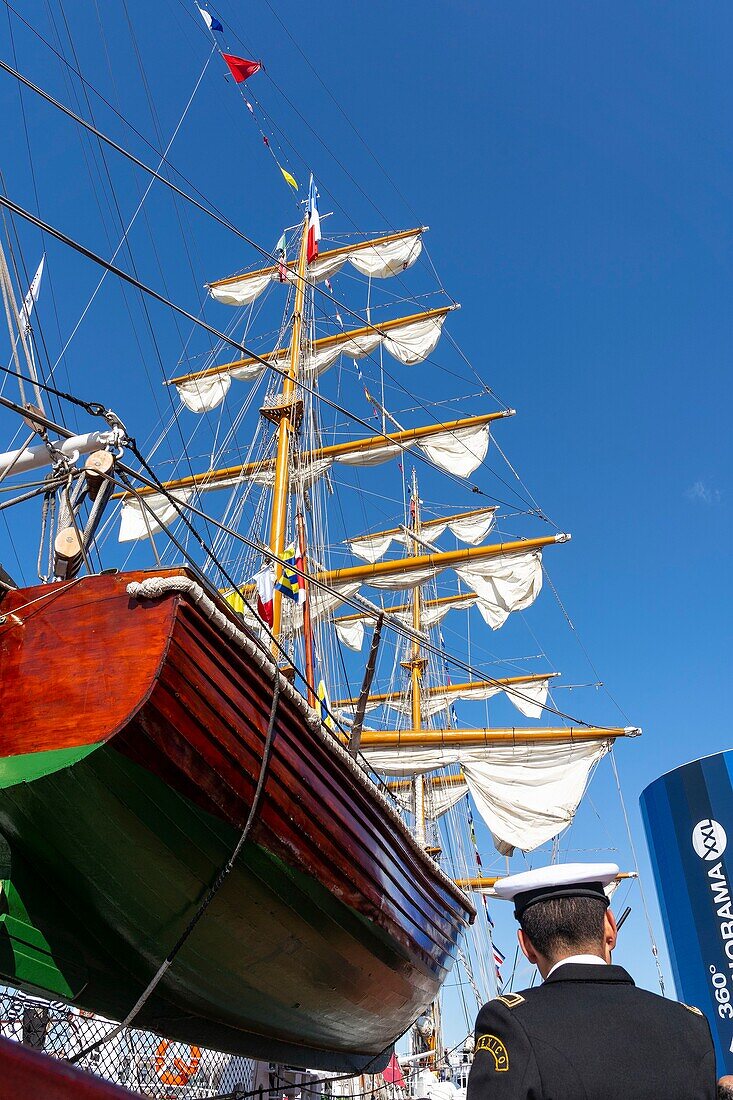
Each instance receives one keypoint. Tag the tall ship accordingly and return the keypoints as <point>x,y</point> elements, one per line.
<point>239,791</point>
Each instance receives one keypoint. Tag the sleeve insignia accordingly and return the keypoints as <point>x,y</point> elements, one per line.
<point>496,1049</point>
<point>691,1008</point>
<point>511,1000</point>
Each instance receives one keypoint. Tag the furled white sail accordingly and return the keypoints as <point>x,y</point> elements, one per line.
<point>528,698</point>
<point>374,456</point>
<point>249,370</point>
<point>433,616</point>
<point>410,342</point>
<point>325,267</point>
<point>413,343</point>
<point>510,582</point>
<point>461,451</point>
<point>302,477</point>
<point>244,291</point>
<point>138,521</point>
<point>526,794</point>
<point>313,465</point>
<point>469,529</point>
<point>473,529</point>
<point>403,580</point>
<point>439,797</point>
<point>376,259</point>
<point>442,448</point>
<point>382,261</point>
<point>204,393</point>
<point>433,613</point>
<point>443,796</point>
<point>371,547</point>
<point>503,583</point>
<point>351,634</point>
<point>355,347</point>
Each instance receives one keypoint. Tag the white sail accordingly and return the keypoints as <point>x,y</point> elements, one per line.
<point>244,291</point>
<point>376,259</point>
<point>413,343</point>
<point>302,477</point>
<point>382,261</point>
<point>444,796</point>
<point>202,394</point>
<point>372,547</point>
<point>313,465</point>
<point>504,584</point>
<point>528,697</point>
<point>351,634</point>
<point>440,797</point>
<point>470,529</point>
<point>462,451</point>
<point>140,521</point>
<point>410,340</point>
<point>473,529</point>
<point>433,612</point>
<point>431,616</point>
<point>526,794</point>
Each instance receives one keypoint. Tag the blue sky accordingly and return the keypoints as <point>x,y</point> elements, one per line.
<point>572,161</point>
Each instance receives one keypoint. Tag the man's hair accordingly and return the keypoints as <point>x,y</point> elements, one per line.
<point>561,924</point>
<point>725,1092</point>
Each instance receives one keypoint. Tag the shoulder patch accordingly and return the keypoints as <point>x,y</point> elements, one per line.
<point>511,1000</point>
<point>691,1008</point>
<point>496,1049</point>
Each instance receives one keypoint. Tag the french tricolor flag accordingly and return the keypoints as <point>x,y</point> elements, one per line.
<point>314,223</point>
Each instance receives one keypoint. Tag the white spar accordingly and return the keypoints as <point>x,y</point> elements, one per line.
<point>32,458</point>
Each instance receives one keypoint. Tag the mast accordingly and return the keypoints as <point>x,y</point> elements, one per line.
<point>416,665</point>
<point>416,662</point>
<point>288,416</point>
<point>307,628</point>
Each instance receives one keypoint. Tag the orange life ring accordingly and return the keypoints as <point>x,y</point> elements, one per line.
<point>182,1070</point>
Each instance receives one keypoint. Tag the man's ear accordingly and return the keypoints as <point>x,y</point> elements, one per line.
<point>527,949</point>
<point>610,931</point>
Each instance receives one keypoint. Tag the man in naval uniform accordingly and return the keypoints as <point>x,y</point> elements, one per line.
<point>586,1032</point>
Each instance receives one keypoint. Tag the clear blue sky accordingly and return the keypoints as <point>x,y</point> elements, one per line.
<point>573,162</point>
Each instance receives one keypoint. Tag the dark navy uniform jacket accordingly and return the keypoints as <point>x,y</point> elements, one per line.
<point>588,1033</point>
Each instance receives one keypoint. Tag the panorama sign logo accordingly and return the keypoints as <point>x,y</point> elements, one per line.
<point>709,839</point>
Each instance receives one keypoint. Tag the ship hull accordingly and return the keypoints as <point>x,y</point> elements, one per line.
<point>133,739</point>
<point>29,1074</point>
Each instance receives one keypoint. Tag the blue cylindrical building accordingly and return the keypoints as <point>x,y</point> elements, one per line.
<point>688,817</point>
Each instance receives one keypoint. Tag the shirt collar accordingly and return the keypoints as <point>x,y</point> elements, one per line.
<point>584,960</point>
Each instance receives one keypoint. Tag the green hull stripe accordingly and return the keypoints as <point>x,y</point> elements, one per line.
<point>33,765</point>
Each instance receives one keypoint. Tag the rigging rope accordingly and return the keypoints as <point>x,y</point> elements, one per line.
<point>152,481</point>
<point>138,208</point>
<point>163,300</point>
<point>632,846</point>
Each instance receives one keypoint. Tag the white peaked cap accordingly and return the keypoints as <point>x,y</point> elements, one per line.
<point>558,880</point>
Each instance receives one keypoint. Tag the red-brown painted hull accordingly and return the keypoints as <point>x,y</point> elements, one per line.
<point>28,1075</point>
<point>158,684</point>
